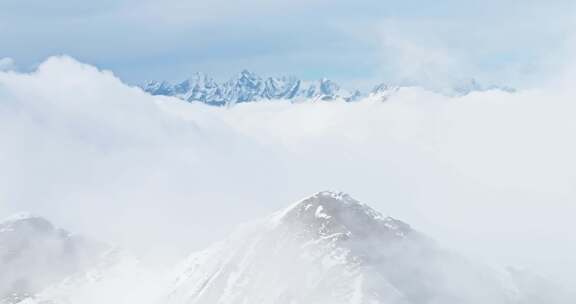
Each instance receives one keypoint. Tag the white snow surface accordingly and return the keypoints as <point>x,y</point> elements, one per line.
<point>117,278</point>
<point>330,248</point>
<point>326,248</point>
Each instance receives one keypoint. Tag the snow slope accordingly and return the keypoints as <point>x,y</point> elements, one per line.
<point>116,278</point>
<point>330,248</point>
<point>327,248</point>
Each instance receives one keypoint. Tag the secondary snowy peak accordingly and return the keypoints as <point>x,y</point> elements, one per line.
<point>330,248</point>
<point>17,217</point>
<point>247,87</point>
<point>383,91</point>
<point>467,86</point>
<point>41,264</point>
<point>34,253</point>
<point>26,224</point>
<point>22,226</point>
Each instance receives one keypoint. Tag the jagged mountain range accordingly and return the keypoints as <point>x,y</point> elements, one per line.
<point>326,248</point>
<point>249,87</point>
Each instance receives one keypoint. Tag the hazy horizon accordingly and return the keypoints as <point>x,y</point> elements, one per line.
<point>487,174</point>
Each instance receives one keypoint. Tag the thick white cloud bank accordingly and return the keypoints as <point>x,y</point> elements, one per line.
<point>490,174</point>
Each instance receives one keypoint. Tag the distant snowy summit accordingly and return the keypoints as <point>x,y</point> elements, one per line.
<point>250,87</point>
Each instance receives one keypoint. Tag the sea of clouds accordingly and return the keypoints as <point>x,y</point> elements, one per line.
<point>490,174</point>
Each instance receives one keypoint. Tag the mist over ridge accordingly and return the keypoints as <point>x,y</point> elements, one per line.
<point>113,162</point>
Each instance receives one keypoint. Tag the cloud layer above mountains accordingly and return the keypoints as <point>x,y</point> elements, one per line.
<point>489,173</point>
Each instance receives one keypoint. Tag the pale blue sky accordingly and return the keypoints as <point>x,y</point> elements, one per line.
<point>357,43</point>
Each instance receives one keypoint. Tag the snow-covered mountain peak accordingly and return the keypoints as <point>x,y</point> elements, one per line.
<point>380,88</point>
<point>20,216</point>
<point>248,75</point>
<point>34,253</point>
<point>339,218</point>
<point>331,248</point>
<point>26,221</point>
<point>326,205</point>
